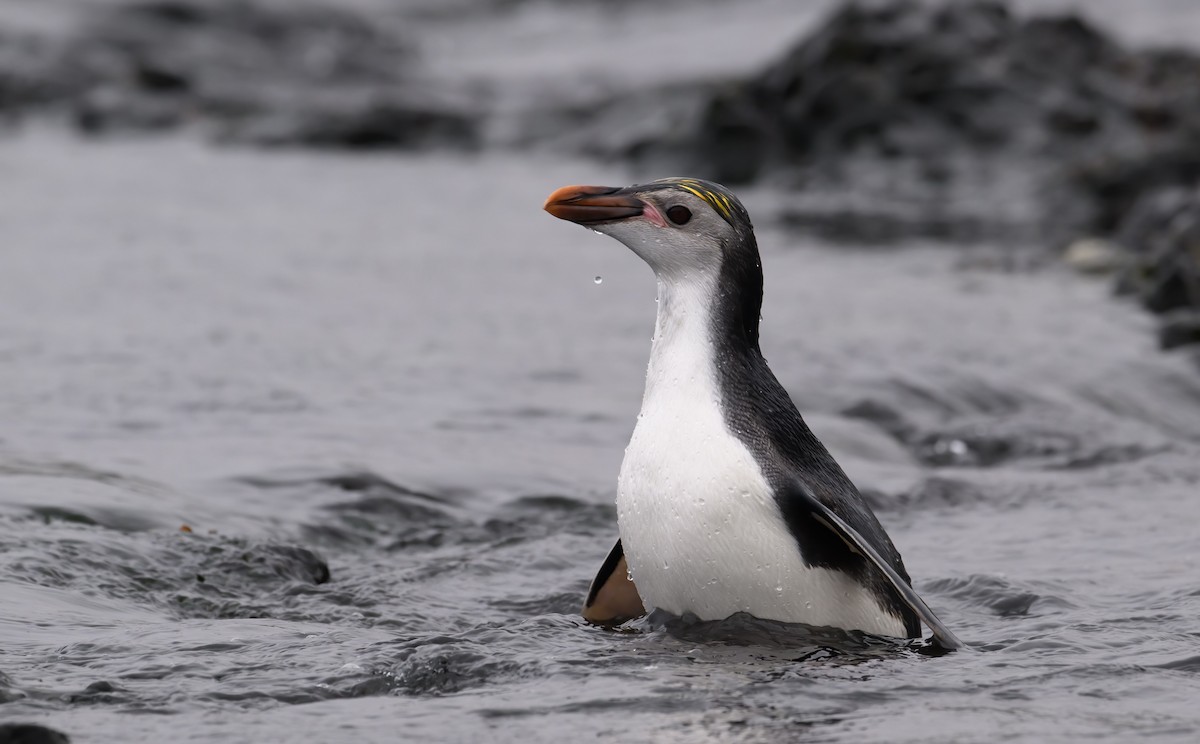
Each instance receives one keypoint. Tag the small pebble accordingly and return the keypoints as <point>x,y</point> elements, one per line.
<point>1093,256</point>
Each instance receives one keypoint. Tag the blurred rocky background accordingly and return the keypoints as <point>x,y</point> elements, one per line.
<point>1028,128</point>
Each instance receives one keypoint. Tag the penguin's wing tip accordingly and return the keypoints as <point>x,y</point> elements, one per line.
<point>942,636</point>
<point>613,598</point>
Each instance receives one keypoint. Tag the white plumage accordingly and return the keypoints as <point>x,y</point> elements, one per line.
<point>699,524</point>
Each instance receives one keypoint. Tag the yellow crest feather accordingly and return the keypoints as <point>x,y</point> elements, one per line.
<point>719,202</point>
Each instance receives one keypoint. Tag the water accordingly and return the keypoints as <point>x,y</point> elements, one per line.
<point>286,354</point>
<point>299,447</point>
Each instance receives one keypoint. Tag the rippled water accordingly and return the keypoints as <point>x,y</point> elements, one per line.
<point>400,369</point>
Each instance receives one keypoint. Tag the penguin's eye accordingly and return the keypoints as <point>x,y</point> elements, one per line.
<point>679,214</point>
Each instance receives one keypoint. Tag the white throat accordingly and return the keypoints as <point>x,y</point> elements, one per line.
<point>682,361</point>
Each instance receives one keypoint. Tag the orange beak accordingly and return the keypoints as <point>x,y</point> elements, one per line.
<point>591,205</point>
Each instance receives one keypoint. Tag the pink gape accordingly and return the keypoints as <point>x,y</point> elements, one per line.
<point>652,215</point>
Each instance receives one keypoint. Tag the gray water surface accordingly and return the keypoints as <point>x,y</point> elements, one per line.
<point>401,365</point>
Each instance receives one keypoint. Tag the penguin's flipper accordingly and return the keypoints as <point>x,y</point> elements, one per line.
<point>855,542</point>
<point>613,599</point>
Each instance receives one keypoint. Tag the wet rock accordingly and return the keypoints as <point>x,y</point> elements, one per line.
<point>247,72</point>
<point>440,665</point>
<point>961,112</point>
<point>1162,236</point>
<point>1093,256</point>
<point>100,692</point>
<point>212,576</point>
<point>23,61</point>
<point>30,733</point>
<point>1116,179</point>
<point>293,563</point>
<point>367,125</point>
<point>235,566</point>
<point>1179,328</point>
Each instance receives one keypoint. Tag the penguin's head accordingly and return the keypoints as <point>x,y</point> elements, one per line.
<point>680,226</point>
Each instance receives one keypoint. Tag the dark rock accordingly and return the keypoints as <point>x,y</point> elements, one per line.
<point>24,82</point>
<point>958,113</point>
<point>99,692</point>
<point>1162,236</point>
<point>262,562</point>
<point>246,71</point>
<point>30,733</point>
<point>1117,181</point>
<point>101,686</point>
<point>369,125</point>
<point>213,576</point>
<point>106,109</point>
<point>1179,328</point>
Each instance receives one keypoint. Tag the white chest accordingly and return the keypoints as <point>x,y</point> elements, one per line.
<point>699,525</point>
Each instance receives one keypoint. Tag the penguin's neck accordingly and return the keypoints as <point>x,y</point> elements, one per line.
<point>681,354</point>
<point>695,336</point>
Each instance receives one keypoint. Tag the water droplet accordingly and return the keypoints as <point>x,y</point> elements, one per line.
<point>598,279</point>
<point>779,590</point>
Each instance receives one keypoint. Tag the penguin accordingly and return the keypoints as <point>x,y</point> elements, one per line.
<point>726,500</point>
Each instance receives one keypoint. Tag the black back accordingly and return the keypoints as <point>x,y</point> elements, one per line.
<point>760,413</point>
